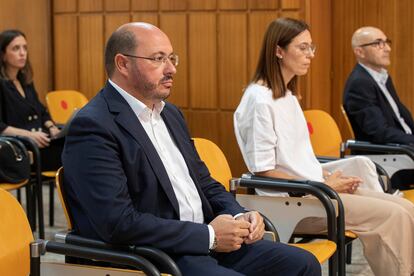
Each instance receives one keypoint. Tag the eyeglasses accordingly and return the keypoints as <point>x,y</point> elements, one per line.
<point>173,58</point>
<point>379,43</point>
<point>307,49</point>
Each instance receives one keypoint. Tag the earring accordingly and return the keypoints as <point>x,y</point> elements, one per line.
<point>279,57</point>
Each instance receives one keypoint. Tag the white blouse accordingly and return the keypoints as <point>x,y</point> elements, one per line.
<point>273,134</point>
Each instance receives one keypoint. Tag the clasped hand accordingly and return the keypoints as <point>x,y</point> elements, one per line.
<point>231,233</point>
<point>343,184</point>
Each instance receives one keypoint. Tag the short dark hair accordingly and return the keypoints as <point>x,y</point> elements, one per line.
<point>25,75</point>
<point>121,41</point>
<point>280,33</point>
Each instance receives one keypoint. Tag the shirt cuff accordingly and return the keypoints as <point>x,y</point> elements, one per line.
<point>212,235</point>
<point>238,215</point>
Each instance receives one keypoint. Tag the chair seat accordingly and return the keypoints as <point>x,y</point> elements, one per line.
<point>15,237</point>
<point>50,174</point>
<point>322,250</point>
<point>9,186</point>
<point>350,234</point>
<point>409,194</point>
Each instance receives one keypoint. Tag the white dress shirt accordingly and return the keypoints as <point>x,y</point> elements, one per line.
<point>189,200</point>
<point>273,134</point>
<point>381,79</point>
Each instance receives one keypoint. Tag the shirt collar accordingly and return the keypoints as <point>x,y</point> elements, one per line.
<point>137,106</point>
<point>379,77</point>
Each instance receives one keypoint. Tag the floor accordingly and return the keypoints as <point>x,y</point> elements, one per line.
<point>359,266</point>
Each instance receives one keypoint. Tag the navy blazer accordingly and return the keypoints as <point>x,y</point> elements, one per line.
<point>117,187</point>
<point>371,116</point>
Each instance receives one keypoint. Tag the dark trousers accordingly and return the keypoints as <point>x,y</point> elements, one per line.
<point>51,156</point>
<point>261,258</point>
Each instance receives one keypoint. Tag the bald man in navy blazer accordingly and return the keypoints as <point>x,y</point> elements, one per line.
<point>374,109</point>
<point>133,175</point>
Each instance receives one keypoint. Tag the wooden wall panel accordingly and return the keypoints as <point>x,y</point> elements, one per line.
<point>232,4</point>
<point>291,4</point>
<point>144,5</point>
<point>263,4</point>
<point>232,61</point>
<point>209,128</point>
<point>403,49</point>
<point>117,5</point>
<point>228,144</point>
<point>175,26</point>
<point>91,65</point>
<point>343,60</point>
<point>291,14</point>
<point>202,4</point>
<point>392,29</point>
<point>173,5</point>
<point>36,25</point>
<point>113,22</point>
<point>151,18</point>
<point>258,22</point>
<point>321,64</point>
<point>90,5</point>
<point>64,6</point>
<point>66,65</point>
<point>203,59</point>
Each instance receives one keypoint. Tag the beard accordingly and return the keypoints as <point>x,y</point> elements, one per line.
<point>150,90</point>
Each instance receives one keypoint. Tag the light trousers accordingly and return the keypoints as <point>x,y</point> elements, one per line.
<point>385,226</point>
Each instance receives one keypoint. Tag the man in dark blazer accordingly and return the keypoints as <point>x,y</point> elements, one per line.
<point>370,100</point>
<point>133,175</point>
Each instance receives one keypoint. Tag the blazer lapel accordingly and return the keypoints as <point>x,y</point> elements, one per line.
<point>391,89</point>
<point>128,120</point>
<point>385,100</point>
<point>407,117</point>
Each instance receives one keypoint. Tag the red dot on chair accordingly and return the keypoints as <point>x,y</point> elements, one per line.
<point>64,104</point>
<point>310,128</point>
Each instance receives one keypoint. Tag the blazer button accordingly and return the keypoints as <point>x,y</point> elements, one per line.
<point>39,129</point>
<point>29,118</point>
<point>34,117</point>
<point>33,129</point>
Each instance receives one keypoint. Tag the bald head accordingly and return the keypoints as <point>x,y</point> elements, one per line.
<point>126,39</point>
<point>371,48</point>
<point>365,35</point>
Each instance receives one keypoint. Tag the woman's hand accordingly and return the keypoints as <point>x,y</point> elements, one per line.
<point>343,184</point>
<point>41,139</point>
<point>54,130</point>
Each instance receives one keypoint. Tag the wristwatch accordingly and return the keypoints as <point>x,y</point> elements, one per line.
<point>214,246</point>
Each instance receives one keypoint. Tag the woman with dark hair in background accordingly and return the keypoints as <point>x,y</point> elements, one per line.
<point>272,134</point>
<point>21,112</point>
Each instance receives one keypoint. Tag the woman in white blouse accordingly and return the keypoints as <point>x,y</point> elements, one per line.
<point>273,137</point>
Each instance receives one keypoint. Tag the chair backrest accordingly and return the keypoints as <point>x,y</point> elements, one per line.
<point>215,160</point>
<point>15,237</point>
<point>62,103</point>
<point>348,123</point>
<point>62,197</point>
<point>324,133</point>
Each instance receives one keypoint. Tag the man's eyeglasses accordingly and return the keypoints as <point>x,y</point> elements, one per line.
<point>173,58</point>
<point>379,43</point>
<point>307,49</point>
